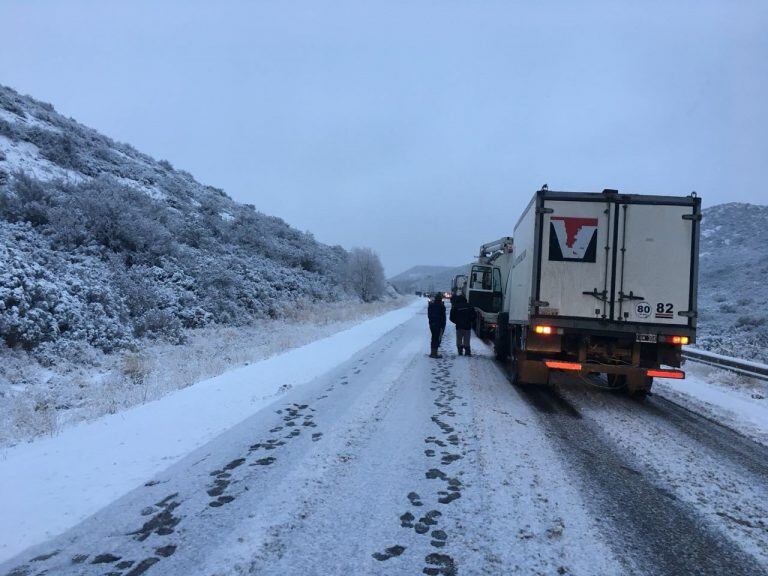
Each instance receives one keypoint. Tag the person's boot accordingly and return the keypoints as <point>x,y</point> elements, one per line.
<point>433,354</point>
<point>467,351</point>
<point>461,350</point>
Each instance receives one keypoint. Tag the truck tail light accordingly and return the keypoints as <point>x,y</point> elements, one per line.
<point>558,365</point>
<point>679,340</point>
<point>543,329</point>
<point>677,374</point>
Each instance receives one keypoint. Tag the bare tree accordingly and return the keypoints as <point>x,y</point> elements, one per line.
<point>365,274</point>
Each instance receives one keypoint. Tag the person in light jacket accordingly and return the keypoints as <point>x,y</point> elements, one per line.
<point>436,317</point>
<point>463,315</point>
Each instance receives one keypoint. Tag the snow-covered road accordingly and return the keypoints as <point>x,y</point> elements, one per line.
<point>393,463</point>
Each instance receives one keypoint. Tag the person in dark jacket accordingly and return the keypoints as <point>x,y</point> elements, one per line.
<point>436,316</point>
<point>463,315</point>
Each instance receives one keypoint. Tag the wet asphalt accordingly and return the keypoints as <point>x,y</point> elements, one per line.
<point>648,528</point>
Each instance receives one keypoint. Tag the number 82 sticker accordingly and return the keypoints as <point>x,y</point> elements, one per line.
<point>665,310</point>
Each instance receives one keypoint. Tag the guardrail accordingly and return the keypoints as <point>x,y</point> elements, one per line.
<point>737,365</point>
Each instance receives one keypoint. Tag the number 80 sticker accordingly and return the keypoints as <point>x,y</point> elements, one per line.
<point>643,309</point>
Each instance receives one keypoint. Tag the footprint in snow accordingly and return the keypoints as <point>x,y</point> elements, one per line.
<point>440,565</point>
<point>264,461</point>
<point>448,458</point>
<point>438,538</point>
<point>220,501</point>
<point>388,553</point>
<point>415,499</point>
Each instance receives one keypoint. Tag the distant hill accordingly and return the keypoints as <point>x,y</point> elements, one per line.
<point>101,244</point>
<point>426,278</point>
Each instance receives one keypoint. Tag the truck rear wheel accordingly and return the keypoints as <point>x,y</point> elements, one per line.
<point>514,367</point>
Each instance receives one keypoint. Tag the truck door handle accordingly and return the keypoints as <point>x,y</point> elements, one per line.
<point>602,296</point>
<point>630,296</point>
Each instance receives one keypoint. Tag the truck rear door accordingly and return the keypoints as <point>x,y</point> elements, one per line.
<point>655,264</point>
<point>575,264</point>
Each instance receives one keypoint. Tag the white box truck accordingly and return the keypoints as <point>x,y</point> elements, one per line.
<point>601,283</point>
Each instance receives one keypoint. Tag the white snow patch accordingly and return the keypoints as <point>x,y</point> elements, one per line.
<point>30,120</point>
<point>151,191</point>
<point>26,156</point>
<point>57,482</point>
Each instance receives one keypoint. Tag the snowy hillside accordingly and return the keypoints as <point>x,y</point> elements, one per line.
<point>101,244</point>
<point>733,295</point>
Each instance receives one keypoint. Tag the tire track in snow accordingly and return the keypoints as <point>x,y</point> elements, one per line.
<point>536,520</point>
<point>720,473</point>
<point>646,522</point>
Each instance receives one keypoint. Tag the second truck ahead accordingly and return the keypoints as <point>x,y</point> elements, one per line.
<point>484,285</point>
<point>598,283</point>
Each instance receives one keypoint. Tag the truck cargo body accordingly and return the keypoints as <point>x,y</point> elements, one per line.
<point>602,282</point>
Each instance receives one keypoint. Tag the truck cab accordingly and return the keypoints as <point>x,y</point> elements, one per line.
<point>486,283</point>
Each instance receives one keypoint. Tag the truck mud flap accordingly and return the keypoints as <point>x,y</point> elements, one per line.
<point>531,371</point>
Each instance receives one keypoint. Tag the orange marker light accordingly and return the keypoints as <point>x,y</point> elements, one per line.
<point>557,365</point>
<point>679,339</point>
<point>543,329</point>
<point>676,374</point>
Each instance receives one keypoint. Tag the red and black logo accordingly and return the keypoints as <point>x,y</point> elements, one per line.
<point>572,239</point>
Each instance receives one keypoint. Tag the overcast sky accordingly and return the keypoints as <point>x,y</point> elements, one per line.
<point>420,129</point>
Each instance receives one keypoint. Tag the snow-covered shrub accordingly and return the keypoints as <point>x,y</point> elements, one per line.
<point>135,367</point>
<point>26,200</point>
<point>45,296</point>
<point>118,218</point>
<point>55,147</point>
<point>12,102</point>
<point>33,415</point>
<point>10,130</point>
